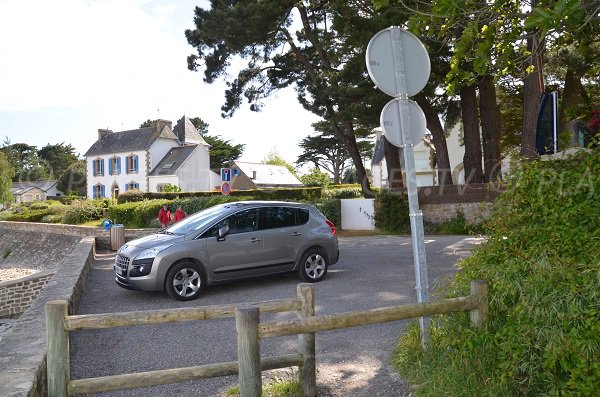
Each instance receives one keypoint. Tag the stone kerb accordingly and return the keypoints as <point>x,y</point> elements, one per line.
<point>17,295</point>
<point>23,348</point>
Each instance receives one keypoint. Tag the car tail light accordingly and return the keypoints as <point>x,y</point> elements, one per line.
<point>331,225</point>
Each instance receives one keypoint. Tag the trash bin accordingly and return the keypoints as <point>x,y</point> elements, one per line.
<point>117,236</point>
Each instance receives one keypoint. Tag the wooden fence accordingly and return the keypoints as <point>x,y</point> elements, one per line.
<point>249,333</point>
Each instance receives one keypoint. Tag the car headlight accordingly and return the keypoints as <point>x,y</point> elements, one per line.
<point>152,252</point>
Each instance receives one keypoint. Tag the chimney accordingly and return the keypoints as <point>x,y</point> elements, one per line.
<point>102,133</point>
<point>160,124</point>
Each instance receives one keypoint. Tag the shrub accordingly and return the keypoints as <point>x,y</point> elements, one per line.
<point>332,209</point>
<point>136,214</point>
<point>541,260</point>
<point>391,212</point>
<point>342,193</point>
<point>27,215</point>
<point>81,211</point>
<point>316,177</point>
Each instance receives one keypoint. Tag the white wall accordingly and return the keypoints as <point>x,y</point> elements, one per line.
<point>358,214</point>
<point>195,174</point>
<point>154,181</point>
<point>158,150</point>
<point>121,179</point>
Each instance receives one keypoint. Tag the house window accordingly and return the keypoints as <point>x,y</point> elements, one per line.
<point>132,186</point>
<point>98,167</point>
<point>114,190</point>
<point>98,191</point>
<point>132,164</point>
<point>114,166</point>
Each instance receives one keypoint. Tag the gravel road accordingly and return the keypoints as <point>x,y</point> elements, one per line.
<point>374,271</point>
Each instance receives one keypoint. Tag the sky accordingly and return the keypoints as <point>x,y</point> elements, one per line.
<point>70,67</point>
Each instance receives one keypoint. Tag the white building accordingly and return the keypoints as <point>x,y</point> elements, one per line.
<point>424,154</point>
<point>148,158</point>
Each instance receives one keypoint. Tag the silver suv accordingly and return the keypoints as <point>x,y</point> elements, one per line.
<point>230,242</point>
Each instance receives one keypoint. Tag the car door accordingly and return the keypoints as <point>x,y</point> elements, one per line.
<point>282,237</point>
<point>240,252</point>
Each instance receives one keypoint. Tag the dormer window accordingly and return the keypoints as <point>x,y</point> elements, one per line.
<point>98,167</point>
<point>132,164</point>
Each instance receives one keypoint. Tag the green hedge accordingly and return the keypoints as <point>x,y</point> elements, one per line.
<point>541,261</point>
<point>306,193</point>
<point>391,212</point>
<point>136,214</point>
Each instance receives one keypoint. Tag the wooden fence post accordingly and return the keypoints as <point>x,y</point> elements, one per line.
<point>246,324</point>
<point>307,374</point>
<point>479,292</point>
<point>57,362</point>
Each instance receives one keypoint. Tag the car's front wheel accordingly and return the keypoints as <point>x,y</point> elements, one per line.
<point>313,265</point>
<point>185,281</point>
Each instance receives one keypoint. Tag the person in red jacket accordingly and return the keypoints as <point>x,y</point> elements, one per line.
<point>164,216</point>
<point>179,214</point>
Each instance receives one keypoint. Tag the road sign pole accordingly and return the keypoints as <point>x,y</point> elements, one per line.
<point>416,216</point>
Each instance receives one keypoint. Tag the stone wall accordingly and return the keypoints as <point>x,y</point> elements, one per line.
<point>17,295</point>
<point>23,348</point>
<point>474,213</point>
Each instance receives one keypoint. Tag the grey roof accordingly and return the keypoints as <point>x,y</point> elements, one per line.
<point>268,174</point>
<point>187,133</point>
<point>128,141</point>
<point>42,185</point>
<point>173,160</point>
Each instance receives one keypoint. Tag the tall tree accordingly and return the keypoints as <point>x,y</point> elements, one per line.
<point>275,158</point>
<point>261,32</point>
<point>222,151</point>
<point>24,159</point>
<point>326,152</point>
<point>6,174</point>
<point>58,158</point>
<point>73,180</point>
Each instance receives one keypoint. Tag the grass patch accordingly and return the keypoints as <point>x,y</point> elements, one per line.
<point>276,387</point>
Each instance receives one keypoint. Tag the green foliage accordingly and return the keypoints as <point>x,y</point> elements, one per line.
<point>316,177</point>
<point>276,387</point>
<point>541,260</point>
<point>26,215</point>
<point>136,214</point>
<point>391,212</point>
<point>455,226</point>
<point>343,193</point>
<point>169,188</point>
<point>222,151</point>
<point>307,193</point>
<point>131,196</point>
<point>73,179</point>
<point>273,158</point>
<point>5,253</point>
<point>332,209</point>
<point>7,172</point>
<point>81,211</point>
<point>57,158</point>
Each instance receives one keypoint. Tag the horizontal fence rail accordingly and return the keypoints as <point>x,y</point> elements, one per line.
<point>174,375</point>
<point>149,317</point>
<point>365,317</point>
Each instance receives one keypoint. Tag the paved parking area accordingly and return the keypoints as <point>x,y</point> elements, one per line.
<point>374,271</point>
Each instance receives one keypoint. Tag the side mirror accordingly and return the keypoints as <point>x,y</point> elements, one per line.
<point>223,231</point>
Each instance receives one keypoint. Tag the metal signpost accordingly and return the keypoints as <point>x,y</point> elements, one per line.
<point>399,65</point>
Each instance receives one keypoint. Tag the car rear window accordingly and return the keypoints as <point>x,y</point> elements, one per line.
<point>279,217</point>
<point>301,216</point>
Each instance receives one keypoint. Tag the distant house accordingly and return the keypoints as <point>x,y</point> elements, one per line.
<point>147,159</point>
<point>261,176</point>
<point>24,192</point>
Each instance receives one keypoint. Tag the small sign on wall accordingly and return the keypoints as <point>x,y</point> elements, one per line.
<point>358,214</point>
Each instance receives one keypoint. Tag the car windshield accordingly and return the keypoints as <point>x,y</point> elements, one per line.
<point>196,221</point>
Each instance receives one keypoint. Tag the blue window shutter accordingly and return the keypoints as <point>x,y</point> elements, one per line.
<point>102,167</point>
<point>103,191</point>
<point>127,165</point>
<point>137,186</point>
<point>118,166</point>
<point>137,164</point>
<point>126,186</point>
<point>93,167</point>
<point>93,191</point>
<point>110,167</point>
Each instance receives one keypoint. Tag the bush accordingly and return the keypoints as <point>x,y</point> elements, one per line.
<point>27,215</point>
<point>342,193</point>
<point>455,226</point>
<point>305,193</point>
<point>332,209</point>
<point>81,211</point>
<point>391,212</point>
<point>136,214</point>
<point>541,260</point>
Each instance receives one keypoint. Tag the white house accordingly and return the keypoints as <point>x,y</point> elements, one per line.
<point>34,190</point>
<point>126,160</point>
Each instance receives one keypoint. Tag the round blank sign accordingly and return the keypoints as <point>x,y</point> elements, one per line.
<point>391,122</point>
<point>382,64</point>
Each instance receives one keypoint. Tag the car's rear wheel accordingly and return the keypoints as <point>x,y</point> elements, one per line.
<point>313,265</point>
<point>185,281</point>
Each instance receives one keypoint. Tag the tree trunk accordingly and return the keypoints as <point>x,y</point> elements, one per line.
<point>533,86</point>
<point>472,158</point>
<point>439,141</point>
<point>349,140</point>
<point>490,128</point>
<point>571,97</point>
<point>394,168</point>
